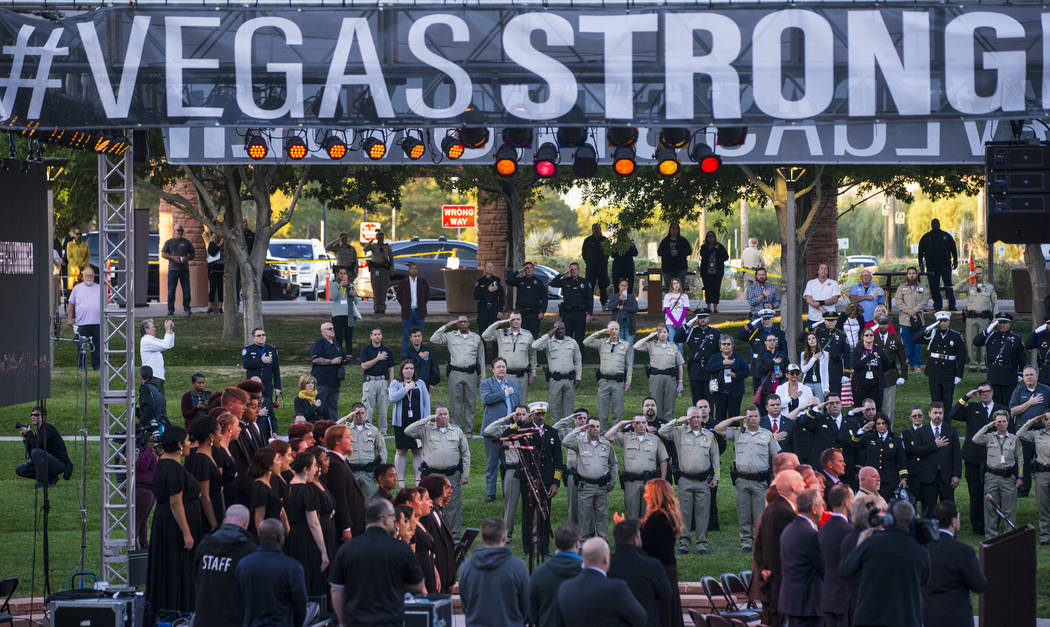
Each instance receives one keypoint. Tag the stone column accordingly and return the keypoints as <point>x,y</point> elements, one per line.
<point>492,232</point>
<point>823,245</point>
<point>170,215</point>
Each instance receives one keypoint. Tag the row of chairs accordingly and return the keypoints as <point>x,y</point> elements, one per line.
<point>724,593</point>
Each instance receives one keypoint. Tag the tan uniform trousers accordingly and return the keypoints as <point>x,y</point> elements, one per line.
<point>664,388</point>
<point>374,396</point>
<point>1004,491</point>
<point>593,503</point>
<point>562,398</point>
<point>610,398</point>
<point>634,499</point>
<point>462,399</point>
<point>511,496</point>
<point>750,501</point>
<point>694,500</point>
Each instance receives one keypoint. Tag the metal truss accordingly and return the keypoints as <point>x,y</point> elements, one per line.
<point>117,410</point>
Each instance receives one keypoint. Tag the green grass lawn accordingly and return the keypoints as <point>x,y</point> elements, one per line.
<point>199,348</point>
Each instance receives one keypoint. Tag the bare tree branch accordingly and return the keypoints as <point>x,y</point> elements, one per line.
<point>757,182</point>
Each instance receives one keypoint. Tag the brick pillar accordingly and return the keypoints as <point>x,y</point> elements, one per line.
<point>492,232</point>
<point>170,215</point>
<point>823,245</point>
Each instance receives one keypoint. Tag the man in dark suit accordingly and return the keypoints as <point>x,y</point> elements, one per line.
<point>834,596</point>
<point>645,575</point>
<point>541,447</point>
<point>781,425</point>
<point>551,574</point>
<point>920,447</point>
<point>975,415</point>
<point>954,573</point>
<point>349,502</point>
<point>444,547</point>
<point>891,565</point>
<point>947,460</point>
<point>828,428</point>
<point>802,569</point>
<point>591,599</point>
<point>413,292</point>
<point>771,523</point>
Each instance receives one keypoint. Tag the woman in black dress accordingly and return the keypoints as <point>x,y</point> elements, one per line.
<point>660,529</point>
<point>305,541</point>
<point>263,501</point>
<point>200,463</point>
<point>282,469</point>
<point>229,431</point>
<point>713,257</point>
<point>176,527</point>
<point>326,504</point>
<point>419,500</point>
<point>411,402</point>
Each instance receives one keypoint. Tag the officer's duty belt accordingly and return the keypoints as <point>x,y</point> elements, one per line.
<point>671,372</point>
<point>518,372</point>
<point>621,377</point>
<point>560,376</point>
<point>425,470</point>
<point>698,476</point>
<point>639,476</point>
<point>469,370</point>
<point>942,356</point>
<point>1008,471</point>
<point>600,481</point>
<point>1037,467</point>
<point>752,476</point>
<point>369,467</point>
<point>511,466</point>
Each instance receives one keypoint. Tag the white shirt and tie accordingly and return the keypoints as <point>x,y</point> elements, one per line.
<point>412,283</point>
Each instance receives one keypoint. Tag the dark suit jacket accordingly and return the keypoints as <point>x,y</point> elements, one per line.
<point>444,548</point>
<point>947,460</point>
<point>591,599</point>
<point>771,523</point>
<point>954,573</point>
<point>801,569</point>
<point>892,567</point>
<point>975,417</point>
<point>785,424</point>
<point>919,447</point>
<point>404,297</point>
<point>349,502</point>
<point>834,597</point>
<point>825,435</point>
<point>645,576</point>
<point>241,459</point>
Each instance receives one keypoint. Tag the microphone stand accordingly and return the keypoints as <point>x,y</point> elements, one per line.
<point>998,512</point>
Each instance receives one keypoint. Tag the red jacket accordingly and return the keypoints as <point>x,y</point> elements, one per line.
<point>405,297</point>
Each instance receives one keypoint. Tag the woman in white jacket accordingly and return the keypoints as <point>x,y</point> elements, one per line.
<point>411,402</point>
<point>815,367</point>
<point>793,393</point>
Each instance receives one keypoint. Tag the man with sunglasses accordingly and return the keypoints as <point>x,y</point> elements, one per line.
<point>179,252</point>
<point>975,414</point>
<point>260,359</point>
<point>45,450</point>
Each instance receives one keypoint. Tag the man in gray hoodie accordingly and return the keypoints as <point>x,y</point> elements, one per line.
<point>493,584</point>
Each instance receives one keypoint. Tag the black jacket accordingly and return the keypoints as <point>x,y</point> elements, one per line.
<point>623,264</point>
<point>219,600</point>
<point>49,439</point>
<point>801,569</point>
<point>645,576</point>
<point>920,448</point>
<point>531,295</point>
<point>308,410</point>
<point>954,574</point>
<point>592,599</point>
<point>893,568</point>
<point>548,449</point>
<point>937,250</point>
<point>152,405</point>
<point>824,434</point>
<point>251,361</point>
<point>1004,355</point>
<point>834,597</point>
<point>427,370</point>
<point>672,263</point>
<point>715,255</point>
<point>349,502</point>
<point>771,523</point>
<point>491,301</point>
<point>444,547</point>
<point>594,255</point>
<point>273,588</point>
<point>947,460</point>
<point>975,416</point>
<point>544,584</point>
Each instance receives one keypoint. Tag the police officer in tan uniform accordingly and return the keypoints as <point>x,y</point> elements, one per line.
<point>752,469</point>
<point>445,452</point>
<point>614,371</point>
<point>379,268</point>
<point>369,449</point>
<point>644,458</point>
<point>466,364</point>
<point>698,472</point>
<point>665,369</point>
<point>1040,469</point>
<point>510,461</point>
<point>565,426</point>
<point>595,467</point>
<point>1003,469</point>
<point>514,344</point>
<point>980,310</point>
<point>564,368</point>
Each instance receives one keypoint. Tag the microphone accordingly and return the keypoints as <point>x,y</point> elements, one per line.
<point>998,512</point>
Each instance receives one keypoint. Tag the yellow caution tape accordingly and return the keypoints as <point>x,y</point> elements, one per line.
<point>436,252</point>
<point>750,271</point>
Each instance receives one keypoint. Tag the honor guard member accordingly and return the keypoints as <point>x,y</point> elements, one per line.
<point>369,450</point>
<point>644,458</point>
<point>563,370</point>
<point>698,472</point>
<point>752,469</point>
<point>1037,431</point>
<point>665,369</point>
<point>260,359</point>
<point>466,364</point>
<point>565,426</point>
<point>1004,356</point>
<point>577,302</point>
<point>833,342</point>
<point>613,373</point>
<point>445,452</point>
<point>881,449</point>
<point>489,295</point>
<point>895,370</point>
<point>755,333</point>
<point>701,342</point>
<point>530,297</point>
<point>595,468</point>
<point>975,415</point>
<point>423,358</point>
<point>980,307</point>
<point>540,449</point>
<point>505,429</point>
<point>828,428</point>
<point>514,345</point>
<point>377,364</point>
<point>1003,470</point>
<point>946,363</point>
<point>1039,341</point>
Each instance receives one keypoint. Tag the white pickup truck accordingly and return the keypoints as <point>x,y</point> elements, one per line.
<point>314,265</point>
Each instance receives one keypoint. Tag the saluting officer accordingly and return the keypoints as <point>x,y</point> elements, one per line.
<point>466,364</point>
<point>488,293</point>
<point>980,307</point>
<point>1004,356</point>
<point>514,345</point>
<point>614,371</point>
<point>260,359</point>
<point>530,297</point>
<point>700,344</point>
<point>947,361</point>
<point>565,426</point>
<point>1040,468</point>
<point>595,468</point>
<point>644,458</point>
<point>564,368</point>
<point>755,334</point>
<point>1040,343</point>
<point>752,469</point>
<point>577,302</point>
<point>369,450</point>
<point>833,342</point>
<point>445,452</point>
<point>665,369</point>
<point>541,452</point>
<point>504,430</point>
<point>1003,469</point>
<point>698,472</point>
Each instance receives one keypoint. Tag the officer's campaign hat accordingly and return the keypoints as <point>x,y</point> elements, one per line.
<point>1004,317</point>
<point>538,407</point>
<point>766,313</point>
<point>943,315</point>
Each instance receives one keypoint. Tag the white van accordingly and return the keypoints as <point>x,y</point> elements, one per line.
<point>314,265</point>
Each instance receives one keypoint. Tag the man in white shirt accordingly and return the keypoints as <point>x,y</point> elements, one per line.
<point>83,312</point>
<point>751,259</point>
<point>413,293</point>
<point>821,294</point>
<point>151,348</point>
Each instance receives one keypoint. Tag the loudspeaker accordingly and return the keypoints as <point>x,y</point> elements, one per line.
<point>1017,180</point>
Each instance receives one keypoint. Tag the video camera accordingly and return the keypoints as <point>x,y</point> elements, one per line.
<point>22,425</point>
<point>924,530</point>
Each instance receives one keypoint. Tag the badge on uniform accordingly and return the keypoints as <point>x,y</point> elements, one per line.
<point>891,444</point>
<point>869,375</point>
<point>244,351</point>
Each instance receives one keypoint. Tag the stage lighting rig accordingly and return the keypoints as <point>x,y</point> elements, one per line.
<point>295,147</point>
<point>732,136</point>
<point>705,158</point>
<point>413,146</point>
<point>334,146</point>
<point>255,144</point>
<point>374,148</point>
<point>667,161</point>
<point>518,137</point>
<point>506,161</point>
<point>452,147</point>
<point>674,137</point>
<point>622,136</point>
<point>571,136</point>
<point>546,160</point>
<point>585,162</point>
<point>623,161</point>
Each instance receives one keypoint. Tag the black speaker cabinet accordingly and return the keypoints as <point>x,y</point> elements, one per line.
<point>104,612</point>
<point>1017,178</point>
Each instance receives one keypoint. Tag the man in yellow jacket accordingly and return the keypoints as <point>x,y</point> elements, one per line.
<point>77,257</point>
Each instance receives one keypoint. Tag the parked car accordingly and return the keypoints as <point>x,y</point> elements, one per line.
<point>431,255</point>
<point>313,265</point>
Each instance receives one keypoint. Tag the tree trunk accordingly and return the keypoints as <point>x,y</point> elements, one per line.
<point>230,321</point>
<point>515,224</point>
<point>1033,260</point>
<point>251,291</point>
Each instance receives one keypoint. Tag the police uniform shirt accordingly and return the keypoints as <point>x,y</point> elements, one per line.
<point>564,427</point>
<point>754,449</point>
<point>531,293</point>
<point>663,355</point>
<point>577,294</point>
<point>444,447</point>
<point>563,356</point>
<point>368,445</point>
<point>465,350</point>
<point>381,367</point>
<point>513,346</point>
<point>614,357</point>
<point>950,343</point>
<point>641,454</point>
<point>697,450</point>
<point>980,298</point>
<point>701,343</point>
<point>1041,439</point>
<point>1004,354</point>
<point>251,361</point>
<point>1003,451</point>
<point>1040,343</point>
<point>484,297</point>
<point>594,459</point>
